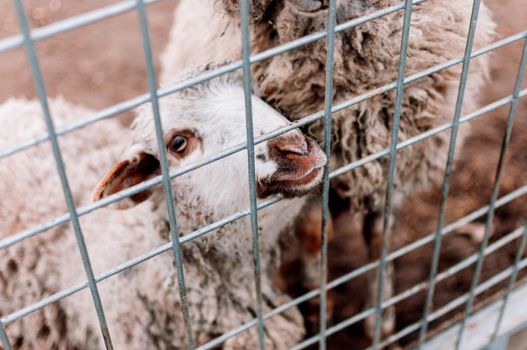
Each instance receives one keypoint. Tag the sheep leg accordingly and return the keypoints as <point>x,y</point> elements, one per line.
<point>373,236</point>
<point>309,233</point>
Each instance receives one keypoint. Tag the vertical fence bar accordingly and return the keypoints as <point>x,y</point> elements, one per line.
<point>448,169</point>
<point>405,38</point>
<point>5,339</point>
<point>521,248</point>
<point>167,187</point>
<point>501,343</point>
<point>247,86</point>
<point>495,192</point>
<point>42,95</point>
<point>512,281</point>
<point>328,104</point>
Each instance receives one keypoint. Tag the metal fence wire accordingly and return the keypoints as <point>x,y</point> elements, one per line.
<point>27,39</point>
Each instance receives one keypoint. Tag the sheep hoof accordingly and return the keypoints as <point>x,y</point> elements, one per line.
<point>306,5</point>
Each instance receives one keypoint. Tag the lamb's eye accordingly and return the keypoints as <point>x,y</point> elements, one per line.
<point>178,144</point>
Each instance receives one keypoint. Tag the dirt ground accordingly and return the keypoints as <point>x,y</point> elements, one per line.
<point>96,65</point>
<point>102,64</point>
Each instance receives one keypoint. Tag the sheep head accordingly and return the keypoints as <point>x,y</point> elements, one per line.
<point>202,122</point>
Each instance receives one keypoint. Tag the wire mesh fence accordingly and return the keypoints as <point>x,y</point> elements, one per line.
<point>27,39</point>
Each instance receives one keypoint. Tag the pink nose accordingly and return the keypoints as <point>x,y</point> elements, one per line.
<point>299,161</point>
<point>292,148</point>
<point>296,153</point>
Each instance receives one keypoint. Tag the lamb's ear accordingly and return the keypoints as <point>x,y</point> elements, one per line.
<point>139,167</point>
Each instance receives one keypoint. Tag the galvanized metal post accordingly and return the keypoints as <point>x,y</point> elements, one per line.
<point>4,338</point>
<point>163,161</point>
<point>405,38</point>
<point>328,104</point>
<point>448,168</point>
<point>247,86</point>
<point>42,95</point>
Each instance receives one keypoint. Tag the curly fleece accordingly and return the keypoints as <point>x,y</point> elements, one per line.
<point>366,57</point>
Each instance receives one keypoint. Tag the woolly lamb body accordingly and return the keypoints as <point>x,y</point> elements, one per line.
<point>142,304</point>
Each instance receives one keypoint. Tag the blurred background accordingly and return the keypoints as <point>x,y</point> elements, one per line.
<point>101,64</point>
<point>96,65</point>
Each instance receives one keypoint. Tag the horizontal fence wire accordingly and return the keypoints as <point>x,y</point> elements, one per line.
<point>87,18</point>
<point>137,101</point>
<point>7,242</point>
<point>27,39</point>
<point>416,326</point>
<point>348,277</point>
<point>132,103</point>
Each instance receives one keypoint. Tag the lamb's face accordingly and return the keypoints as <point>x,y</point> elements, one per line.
<point>204,124</point>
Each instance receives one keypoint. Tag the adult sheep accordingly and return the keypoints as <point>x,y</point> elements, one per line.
<point>142,304</point>
<point>366,57</point>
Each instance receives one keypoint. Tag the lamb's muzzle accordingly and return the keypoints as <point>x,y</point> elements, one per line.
<point>299,162</point>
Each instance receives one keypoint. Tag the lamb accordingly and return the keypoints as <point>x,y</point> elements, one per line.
<point>366,57</point>
<point>142,305</point>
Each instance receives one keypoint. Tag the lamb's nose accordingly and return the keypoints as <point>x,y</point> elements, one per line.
<point>298,148</point>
